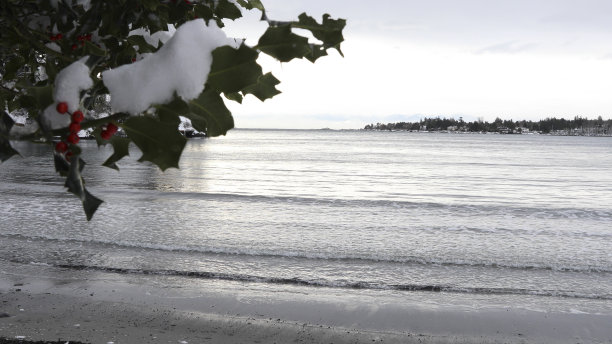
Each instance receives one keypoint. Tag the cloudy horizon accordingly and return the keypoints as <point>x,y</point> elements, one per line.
<point>403,59</point>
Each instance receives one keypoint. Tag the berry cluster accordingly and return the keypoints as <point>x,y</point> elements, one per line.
<point>55,37</point>
<point>75,126</point>
<point>109,131</point>
<point>82,39</point>
<point>77,117</point>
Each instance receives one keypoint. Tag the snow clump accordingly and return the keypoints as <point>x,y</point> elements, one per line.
<point>181,65</point>
<point>69,83</point>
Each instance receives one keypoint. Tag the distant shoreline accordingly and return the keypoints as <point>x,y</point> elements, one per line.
<point>560,133</point>
<point>550,126</point>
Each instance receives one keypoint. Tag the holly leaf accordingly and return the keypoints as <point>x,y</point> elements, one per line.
<point>233,69</point>
<point>150,5</point>
<point>92,49</point>
<point>226,9</point>
<point>209,114</point>
<point>41,96</point>
<point>76,185</point>
<point>329,32</point>
<point>203,11</point>
<point>12,66</point>
<point>264,88</point>
<point>177,107</point>
<point>120,149</point>
<point>282,44</point>
<point>160,141</point>
<point>251,4</point>
<point>61,165</point>
<point>235,96</point>
<point>6,150</point>
<point>141,43</point>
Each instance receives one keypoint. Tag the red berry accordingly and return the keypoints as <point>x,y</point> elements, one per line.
<point>53,38</point>
<point>77,116</point>
<point>74,127</point>
<point>111,128</point>
<point>68,155</point>
<point>74,47</point>
<point>73,138</point>
<point>61,147</point>
<point>62,107</point>
<point>58,36</point>
<point>106,135</point>
<point>88,37</point>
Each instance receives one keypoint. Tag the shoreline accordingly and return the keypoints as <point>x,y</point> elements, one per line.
<point>47,303</point>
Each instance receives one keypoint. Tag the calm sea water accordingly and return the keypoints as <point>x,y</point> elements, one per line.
<point>482,215</point>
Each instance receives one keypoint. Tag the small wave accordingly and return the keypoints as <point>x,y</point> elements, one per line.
<point>263,254</point>
<point>401,202</point>
<point>340,284</point>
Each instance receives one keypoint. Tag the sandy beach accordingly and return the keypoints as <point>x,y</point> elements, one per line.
<point>50,303</point>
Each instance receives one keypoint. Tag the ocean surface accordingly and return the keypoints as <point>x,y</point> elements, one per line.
<point>520,219</point>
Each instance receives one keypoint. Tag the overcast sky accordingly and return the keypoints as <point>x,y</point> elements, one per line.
<point>404,59</point>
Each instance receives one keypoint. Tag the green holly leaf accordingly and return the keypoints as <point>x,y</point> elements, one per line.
<point>6,150</point>
<point>12,66</point>
<point>226,9</point>
<point>92,49</point>
<point>41,97</point>
<point>160,141</point>
<point>316,52</point>
<point>251,4</point>
<point>265,87</point>
<point>177,107</point>
<point>282,44</point>
<point>209,114</point>
<point>76,185</point>
<point>150,5</point>
<point>141,43</point>
<point>329,32</point>
<point>235,96</point>
<point>61,165</point>
<point>233,69</point>
<point>203,11</point>
<point>120,149</point>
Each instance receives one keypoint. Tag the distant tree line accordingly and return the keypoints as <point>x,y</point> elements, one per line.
<point>552,125</point>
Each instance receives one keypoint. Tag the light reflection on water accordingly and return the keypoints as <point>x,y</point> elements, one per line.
<point>468,211</point>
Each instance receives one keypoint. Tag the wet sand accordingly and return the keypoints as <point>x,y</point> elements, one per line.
<point>49,303</point>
